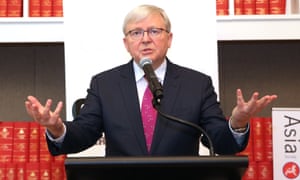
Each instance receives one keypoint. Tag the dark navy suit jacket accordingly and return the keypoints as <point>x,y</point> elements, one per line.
<point>112,107</point>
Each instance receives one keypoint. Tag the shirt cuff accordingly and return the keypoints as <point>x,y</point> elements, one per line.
<point>238,133</point>
<point>59,139</point>
<point>239,136</point>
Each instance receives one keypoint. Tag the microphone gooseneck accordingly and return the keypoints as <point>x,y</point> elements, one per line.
<point>211,148</point>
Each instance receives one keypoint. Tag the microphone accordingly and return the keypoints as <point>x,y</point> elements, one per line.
<point>154,85</point>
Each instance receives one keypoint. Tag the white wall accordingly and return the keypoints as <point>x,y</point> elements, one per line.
<point>93,39</point>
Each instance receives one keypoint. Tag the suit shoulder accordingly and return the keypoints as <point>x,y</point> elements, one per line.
<point>190,72</point>
<point>111,73</point>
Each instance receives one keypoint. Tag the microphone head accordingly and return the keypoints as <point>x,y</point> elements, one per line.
<point>145,61</point>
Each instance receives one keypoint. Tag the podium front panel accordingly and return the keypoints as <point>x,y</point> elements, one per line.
<point>203,167</point>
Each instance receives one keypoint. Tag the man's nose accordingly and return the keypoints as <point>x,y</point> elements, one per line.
<point>146,36</point>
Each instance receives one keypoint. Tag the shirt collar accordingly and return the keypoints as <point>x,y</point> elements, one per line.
<point>160,71</point>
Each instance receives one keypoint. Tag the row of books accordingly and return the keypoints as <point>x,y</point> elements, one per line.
<point>36,8</point>
<point>32,171</point>
<point>262,170</point>
<point>25,155</point>
<point>251,7</point>
<point>23,147</point>
<point>259,150</point>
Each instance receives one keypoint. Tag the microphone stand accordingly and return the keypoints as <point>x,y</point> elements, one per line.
<point>156,105</point>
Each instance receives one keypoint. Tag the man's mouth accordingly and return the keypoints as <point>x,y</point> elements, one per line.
<point>147,51</point>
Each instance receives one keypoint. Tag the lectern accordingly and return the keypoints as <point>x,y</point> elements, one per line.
<point>200,168</point>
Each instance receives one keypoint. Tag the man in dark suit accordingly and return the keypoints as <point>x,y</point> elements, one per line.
<point>114,98</point>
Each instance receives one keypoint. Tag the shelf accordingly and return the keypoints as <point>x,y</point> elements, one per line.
<point>25,29</point>
<point>258,27</point>
<point>245,27</point>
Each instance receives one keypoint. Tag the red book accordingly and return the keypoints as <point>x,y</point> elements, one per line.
<point>267,123</point>
<point>6,141</point>
<point>45,155</point>
<point>32,171</point>
<point>3,8</point>
<point>34,8</point>
<point>45,171</point>
<point>265,170</point>
<point>58,171</point>
<point>15,8</point>
<point>249,7</point>
<point>34,142</point>
<point>20,171</point>
<point>277,6</point>
<point>258,139</point>
<point>2,171</point>
<point>222,7</point>
<point>10,171</point>
<point>46,8</point>
<point>20,142</point>
<point>57,8</point>
<point>251,171</point>
<point>262,7</point>
<point>60,158</point>
<point>238,7</point>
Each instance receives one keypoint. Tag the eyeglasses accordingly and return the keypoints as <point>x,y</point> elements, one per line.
<point>137,34</point>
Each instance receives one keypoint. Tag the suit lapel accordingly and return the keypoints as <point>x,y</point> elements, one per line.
<point>130,97</point>
<point>170,89</point>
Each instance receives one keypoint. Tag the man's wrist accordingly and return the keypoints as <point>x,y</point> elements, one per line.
<point>240,129</point>
<point>56,138</point>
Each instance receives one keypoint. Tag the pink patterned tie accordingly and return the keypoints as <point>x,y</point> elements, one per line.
<point>148,116</point>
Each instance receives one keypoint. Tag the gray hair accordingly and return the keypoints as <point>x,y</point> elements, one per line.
<point>141,12</point>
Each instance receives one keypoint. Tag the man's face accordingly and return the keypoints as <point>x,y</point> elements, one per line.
<point>151,44</point>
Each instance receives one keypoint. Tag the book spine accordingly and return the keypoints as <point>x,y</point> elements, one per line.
<point>34,142</point>
<point>249,7</point>
<point>20,142</point>
<point>251,171</point>
<point>10,171</point>
<point>222,7</point>
<point>258,142</point>
<point>32,171</point>
<point>2,171</point>
<point>262,7</point>
<point>45,155</point>
<point>265,170</point>
<point>58,171</point>
<point>45,171</point>
<point>267,122</point>
<point>6,141</point>
<point>3,8</point>
<point>34,8</point>
<point>57,8</point>
<point>21,171</point>
<point>46,8</point>
<point>277,6</point>
<point>14,8</point>
<point>238,7</point>
<point>59,158</point>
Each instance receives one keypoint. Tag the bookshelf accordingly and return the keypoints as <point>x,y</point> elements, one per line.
<point>232,27</point>
<point>27,29</point>
<point>281,26</point>
<point>258,27</point>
